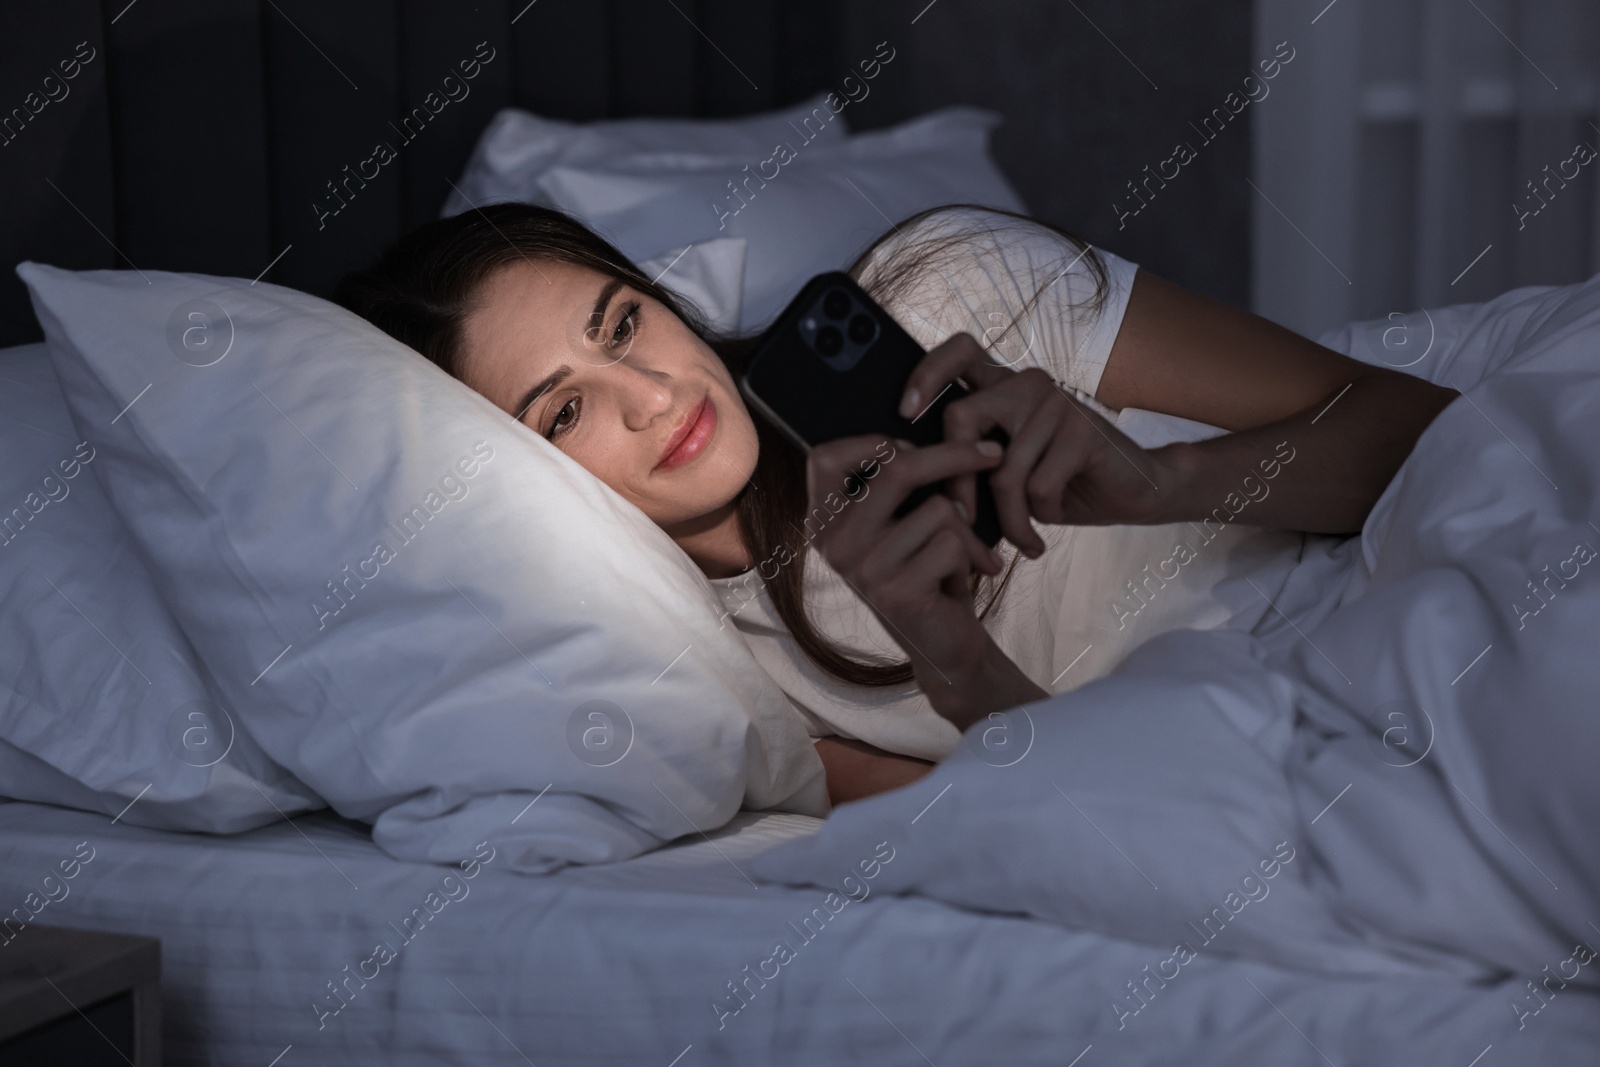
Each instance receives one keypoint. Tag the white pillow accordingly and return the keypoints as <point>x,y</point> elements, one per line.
<point>709,275</point>
<point>811,209</point>
<point>103,704</point>
<point>517,147</point>
<point>429,613</point>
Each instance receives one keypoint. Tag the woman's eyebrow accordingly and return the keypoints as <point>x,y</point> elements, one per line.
<point>560,374</point>
<point>607,291</point>
<point>545,384</point>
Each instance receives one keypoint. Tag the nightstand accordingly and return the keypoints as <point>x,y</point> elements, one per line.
<point>79,997</point>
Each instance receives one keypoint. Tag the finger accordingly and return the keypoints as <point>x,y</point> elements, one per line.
<point>917,467</point>
<point>1066,456</point>
<point>1006,406</point>
<point>959,356</point>
<point>942,562</point>
<point>1009,482</point>
<point>958,585</point>
<point>850,537</point>
<point>920,467</point>
<point>841,472</point>
<point>835,476</point>
<point>967,425</point>
<point>967,428</point>
<point>963,490</point>
<point>831,464</point>
<point>929,519</point>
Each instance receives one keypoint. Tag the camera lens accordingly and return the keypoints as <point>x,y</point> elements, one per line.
<point>829,340</point>
<point>862,329</point>
<point>836,303</point>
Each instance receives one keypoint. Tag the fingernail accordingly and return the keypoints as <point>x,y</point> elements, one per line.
<point>909,403</point>
<point>990,448</point>
<point>901,442</point>
<point>961,509</point>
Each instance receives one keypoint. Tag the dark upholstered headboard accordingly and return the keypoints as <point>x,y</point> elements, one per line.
<point>200,135</point>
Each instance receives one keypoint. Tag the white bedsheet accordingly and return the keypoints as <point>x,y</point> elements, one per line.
<point>621,964</point>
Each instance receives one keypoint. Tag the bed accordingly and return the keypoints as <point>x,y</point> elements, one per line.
<point>628,963</point>
<point>304,941</point>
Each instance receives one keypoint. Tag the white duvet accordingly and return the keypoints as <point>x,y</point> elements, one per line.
<point>1403,780</point>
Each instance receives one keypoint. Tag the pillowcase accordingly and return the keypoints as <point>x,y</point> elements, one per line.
<point>804,206</point>
<point>709,275</point>
<point>430,614</point>
<point>103,704</point>
<point>518,147</point>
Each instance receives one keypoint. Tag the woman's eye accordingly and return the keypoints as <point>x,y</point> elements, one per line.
<point>562,422</point>
<point>625,325</point>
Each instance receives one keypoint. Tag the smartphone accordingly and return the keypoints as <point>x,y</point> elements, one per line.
<point>834,364</point>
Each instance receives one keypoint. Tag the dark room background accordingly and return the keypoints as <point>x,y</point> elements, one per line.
<point>198,133</point>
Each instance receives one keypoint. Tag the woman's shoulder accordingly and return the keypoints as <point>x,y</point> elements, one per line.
<point>1032,294</point>
<point>968,239</point>
<point>973,223</point>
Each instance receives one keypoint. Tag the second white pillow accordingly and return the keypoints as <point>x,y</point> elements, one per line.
<point>804,207</point>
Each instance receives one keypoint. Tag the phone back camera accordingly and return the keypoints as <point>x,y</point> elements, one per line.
<point>829,341</point>
<point>862,329</point>
<point>839,329</point>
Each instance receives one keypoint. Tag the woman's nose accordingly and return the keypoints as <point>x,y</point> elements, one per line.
<point>647,394</point>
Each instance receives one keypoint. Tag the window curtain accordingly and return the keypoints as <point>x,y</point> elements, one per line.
<point>1420,153</point>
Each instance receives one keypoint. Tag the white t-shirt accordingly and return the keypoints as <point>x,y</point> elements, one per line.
<point>1074,613</point>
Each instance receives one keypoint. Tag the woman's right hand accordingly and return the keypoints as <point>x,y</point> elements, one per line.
<point>1065,463</point>
<point>914,572</point>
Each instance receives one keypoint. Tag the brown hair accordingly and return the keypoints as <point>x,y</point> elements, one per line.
<point>421,290</point>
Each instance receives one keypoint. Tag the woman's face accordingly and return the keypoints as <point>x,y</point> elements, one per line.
<point>616,381</point>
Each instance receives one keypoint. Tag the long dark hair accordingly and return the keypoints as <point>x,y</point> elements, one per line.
<point>421,290</point>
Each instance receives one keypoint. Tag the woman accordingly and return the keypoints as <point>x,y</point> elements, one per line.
<point>546,319</point>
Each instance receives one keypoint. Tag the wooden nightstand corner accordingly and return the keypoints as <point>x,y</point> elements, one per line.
<point>79,996</point>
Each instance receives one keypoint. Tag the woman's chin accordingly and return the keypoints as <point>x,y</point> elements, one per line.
<point>686,521</point>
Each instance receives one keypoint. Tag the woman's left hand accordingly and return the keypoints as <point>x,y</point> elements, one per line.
<point>913,571</point>
<point>1064,464</point>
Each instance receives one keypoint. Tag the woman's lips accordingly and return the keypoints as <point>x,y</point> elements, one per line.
<point>701,424</point>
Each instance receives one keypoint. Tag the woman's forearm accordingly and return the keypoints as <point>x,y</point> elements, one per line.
<point>855,769</point>
<point>1320,469</point>
<point>994,685</point>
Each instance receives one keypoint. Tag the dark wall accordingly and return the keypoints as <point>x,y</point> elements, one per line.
<point>1093,92</point>
<point>202,132</point>
<point>55,167</point>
